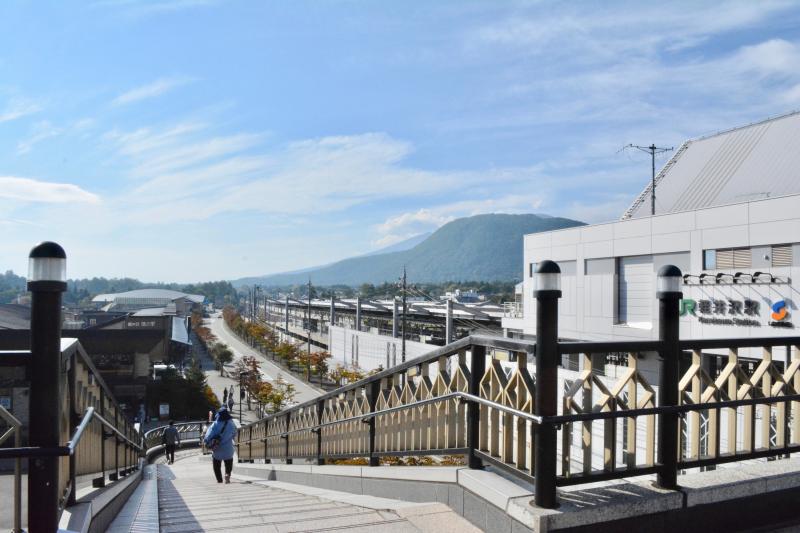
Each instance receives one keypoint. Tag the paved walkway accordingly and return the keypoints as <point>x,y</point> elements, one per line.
<point>189,499</point>
<point>270,370</point>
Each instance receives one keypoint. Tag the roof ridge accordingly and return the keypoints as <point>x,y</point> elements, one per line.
<point>748,125</point>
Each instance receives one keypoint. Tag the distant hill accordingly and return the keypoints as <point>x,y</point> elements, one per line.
<point>402,245</point>
<point>478,248</point>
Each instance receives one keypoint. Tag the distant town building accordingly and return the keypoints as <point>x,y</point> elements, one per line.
<point>175,302</point>
<point>463,297</point>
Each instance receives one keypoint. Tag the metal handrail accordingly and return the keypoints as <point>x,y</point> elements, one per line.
<point>363,394</point>
<point>449,396</point>
<point>667,409</point>
<point>87,418</point>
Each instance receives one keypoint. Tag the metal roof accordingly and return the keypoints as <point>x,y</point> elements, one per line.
<point>482,310</point>
<point>760,160</point>
<point>13,316</point>
<point>149,294</point>
<point>156,311</point>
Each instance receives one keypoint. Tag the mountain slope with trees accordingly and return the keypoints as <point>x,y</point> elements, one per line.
<point>478,248</point>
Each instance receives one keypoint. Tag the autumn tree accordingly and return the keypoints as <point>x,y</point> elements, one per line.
<point>342,375</point>
<point>288,352</point>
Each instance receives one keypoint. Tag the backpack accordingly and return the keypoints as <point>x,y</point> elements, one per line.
<point>214,443</point>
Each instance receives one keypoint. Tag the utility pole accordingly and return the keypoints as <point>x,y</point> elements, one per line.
<point>308,332</point>
<point>652,150</point>
<point>403,342</point>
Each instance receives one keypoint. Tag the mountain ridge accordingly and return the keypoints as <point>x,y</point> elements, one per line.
<point>477,248</point>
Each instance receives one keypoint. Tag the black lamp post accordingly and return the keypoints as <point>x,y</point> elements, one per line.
<point>241,393</point>
<point>669,295</point>
<point>547,291</point>
<point>47,279</point>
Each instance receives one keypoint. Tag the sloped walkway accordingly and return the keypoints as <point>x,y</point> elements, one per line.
<point>190,499</point>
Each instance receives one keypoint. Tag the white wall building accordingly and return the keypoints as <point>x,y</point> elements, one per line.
<point>727,214</point>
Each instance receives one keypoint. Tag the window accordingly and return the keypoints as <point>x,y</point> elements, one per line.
<point>531,269</point>
<point>733,259</point>
<point>782,255</point>
<point>709,260</point>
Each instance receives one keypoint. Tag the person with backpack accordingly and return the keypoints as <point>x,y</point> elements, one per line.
<point>170,439</point>
<point>219,439</point>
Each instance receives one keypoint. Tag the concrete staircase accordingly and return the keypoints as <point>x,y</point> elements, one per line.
<point>185,497</point>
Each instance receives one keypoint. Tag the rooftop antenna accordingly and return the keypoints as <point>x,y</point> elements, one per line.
<point>652,150</point>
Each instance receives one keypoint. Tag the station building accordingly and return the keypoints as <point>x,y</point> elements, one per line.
<point>727,213</point>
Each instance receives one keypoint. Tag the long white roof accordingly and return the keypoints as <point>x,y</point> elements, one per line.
<point>149,294</point>
<point>760,160</point>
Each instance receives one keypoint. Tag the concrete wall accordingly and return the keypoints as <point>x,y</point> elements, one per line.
<point>588,256</point>
<point>369,351</point>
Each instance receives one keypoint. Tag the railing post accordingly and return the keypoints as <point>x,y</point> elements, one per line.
<point>320,410</point>
<point>101,481</point>
<point>74,421</point>
<point>547,292</point>
<point>288,436</point>
<point>669,295</point>
<point>116,447</point>
<point>46,282</point>
<point>373,390</point>
<point>476,370</point>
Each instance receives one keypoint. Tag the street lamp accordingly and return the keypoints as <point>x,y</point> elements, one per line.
<point>668,292</point>
<point>241,393</point>
<point>47,279</point>
<point>547,291</point>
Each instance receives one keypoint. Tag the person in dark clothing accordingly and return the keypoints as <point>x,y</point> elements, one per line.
<point>171,438</point>
<point>219,439</point>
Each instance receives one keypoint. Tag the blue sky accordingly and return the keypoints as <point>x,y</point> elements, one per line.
<point>186,140</point>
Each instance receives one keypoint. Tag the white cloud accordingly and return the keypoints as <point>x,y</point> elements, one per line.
<point>29,190</point>
<point>610,34</point>
<point>40,131</point>
<point>151,90</point>
<point>400,227</point>
<point>18,107</point>
<point>773,57</point>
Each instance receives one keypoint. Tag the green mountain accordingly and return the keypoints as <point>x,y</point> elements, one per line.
<point>478,248</point>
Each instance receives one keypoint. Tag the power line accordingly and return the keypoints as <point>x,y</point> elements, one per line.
<point>652,150</point>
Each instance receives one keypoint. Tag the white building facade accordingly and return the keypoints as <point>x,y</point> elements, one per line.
<point>727,214</point>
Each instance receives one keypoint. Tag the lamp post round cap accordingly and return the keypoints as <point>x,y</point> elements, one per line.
<point>669,271</point>
<point>47,250</point>
<point>548,267</point>
<point>669,282</point>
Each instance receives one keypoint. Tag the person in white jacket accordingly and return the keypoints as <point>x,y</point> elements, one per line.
<point>219,439</point>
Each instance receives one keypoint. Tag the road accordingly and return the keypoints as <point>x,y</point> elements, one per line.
<point>270,370</point>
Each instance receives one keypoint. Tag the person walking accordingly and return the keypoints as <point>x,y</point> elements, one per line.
<point>219,439</point>
<point>170,439</point>
<point>230,399</point>
<point>224,396</point>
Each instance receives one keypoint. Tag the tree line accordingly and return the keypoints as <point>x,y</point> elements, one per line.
<point>81,291</point>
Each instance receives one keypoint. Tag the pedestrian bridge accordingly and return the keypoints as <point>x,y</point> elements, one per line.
<point>485,427</point>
